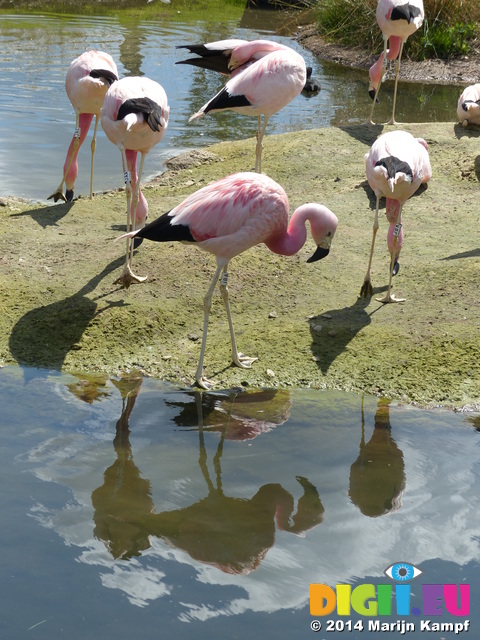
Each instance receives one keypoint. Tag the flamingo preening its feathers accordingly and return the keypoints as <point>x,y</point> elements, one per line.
<point>88,79</point>
<point>230,216</point>
<point>264,77</point>
<point>396,165</point>
<point>397,20</point>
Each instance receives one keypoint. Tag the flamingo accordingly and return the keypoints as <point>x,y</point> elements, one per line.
<point>86,84</point>
<point>396,165</point>
<point>134,117</point>
<point>264,77</point>
<point>230,216</point>
<point>312,85</point>
<point>468,108</point>
<point>397,20</point>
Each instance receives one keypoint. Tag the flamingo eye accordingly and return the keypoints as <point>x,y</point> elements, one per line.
<point>329,233</point>
<point>403,572</point>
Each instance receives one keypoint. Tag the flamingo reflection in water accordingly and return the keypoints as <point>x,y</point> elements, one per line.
<point>233,534</point>
<point>377,477</point>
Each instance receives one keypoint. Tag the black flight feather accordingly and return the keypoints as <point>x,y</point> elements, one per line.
<point>199,49</point>
<point>212,59</point>
<point>151,111</point>
<point>162,230</point>
<point>394,165</point>
<point>465,104</point>
<point>223,100</point>
<point>406,12</point>
<point>109,76</point>
<point>219,64</point>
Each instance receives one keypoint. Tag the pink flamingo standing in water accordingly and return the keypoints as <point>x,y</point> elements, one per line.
<point>396,165</point>
<point>264,77</point>
<point>86,84</point>
<point>134,117</point>
<point>397,20</point>
<point>230,216</point>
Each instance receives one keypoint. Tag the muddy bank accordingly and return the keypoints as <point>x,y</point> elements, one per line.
<point>457,71</point>
<point>304,322</point>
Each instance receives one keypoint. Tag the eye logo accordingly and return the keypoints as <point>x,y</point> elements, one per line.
<point>403,572</point>
<point>380,599</point>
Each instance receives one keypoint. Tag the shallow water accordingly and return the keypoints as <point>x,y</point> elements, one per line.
<point>135,509</point>
<point>37,119</point>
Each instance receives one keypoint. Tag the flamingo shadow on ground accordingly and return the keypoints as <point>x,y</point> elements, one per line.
<point>333,330</point>
<point>366,133</point>
<point>46,216</point>
<point>44,336</point>
<point>474,253</point>
<point>471,131</point>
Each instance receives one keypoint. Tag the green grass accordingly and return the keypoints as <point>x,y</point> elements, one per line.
<point>451,27</point>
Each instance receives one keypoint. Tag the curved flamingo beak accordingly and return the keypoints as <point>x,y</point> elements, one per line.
<point>322,250</point>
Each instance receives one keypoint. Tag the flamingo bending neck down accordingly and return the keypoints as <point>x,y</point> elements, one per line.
<point>230,216</point>
<point>134,117</point>
<point>312,85</point>
<point>397,20</point>
<point>468,107</point>
<point>265,76</point>
<point>88,79</point>
<point>396,165</point>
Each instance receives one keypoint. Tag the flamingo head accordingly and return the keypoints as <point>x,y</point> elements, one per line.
<point>323,224</point>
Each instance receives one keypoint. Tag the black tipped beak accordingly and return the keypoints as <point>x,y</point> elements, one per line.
<point>371,93</point>
<point>320,253</point>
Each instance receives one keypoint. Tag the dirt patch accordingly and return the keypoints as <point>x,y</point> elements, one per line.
<point>305,323</point>
<point>462,72</point>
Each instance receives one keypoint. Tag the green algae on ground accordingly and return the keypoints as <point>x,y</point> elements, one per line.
<point>304,322</point>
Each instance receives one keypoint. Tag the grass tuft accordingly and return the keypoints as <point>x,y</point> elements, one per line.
<point>451,28</point>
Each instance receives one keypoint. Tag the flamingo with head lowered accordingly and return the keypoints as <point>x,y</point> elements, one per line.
<point>265,76</point>
<point>468,107</point>
<point>135,118</point>
<point>86,84</point>
<point>397,20</point>
<point>396,165</point>
<point>230,216</point>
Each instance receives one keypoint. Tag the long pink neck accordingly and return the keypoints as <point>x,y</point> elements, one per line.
<point>394,44</point>
<point>376,71</point>
<point>393,210</point>
<point>71,164</point>
<point>139,215</point>
<point>294,237</point>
